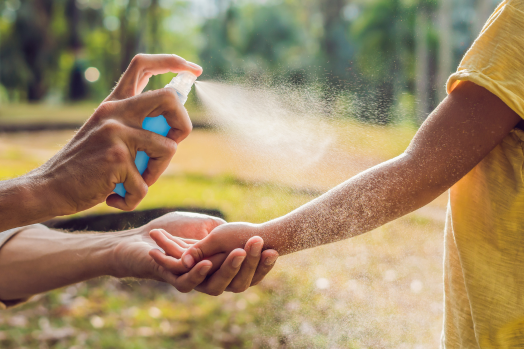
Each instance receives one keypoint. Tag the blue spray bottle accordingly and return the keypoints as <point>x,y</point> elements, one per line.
<point>182,84</point>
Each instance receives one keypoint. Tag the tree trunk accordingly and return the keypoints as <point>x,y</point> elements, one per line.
<point>445,56</point>
<point>483,9</point>
<point>422,64</point>
<point>36,42</point>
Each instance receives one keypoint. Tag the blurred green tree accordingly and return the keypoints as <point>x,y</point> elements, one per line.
<point>381,52</point>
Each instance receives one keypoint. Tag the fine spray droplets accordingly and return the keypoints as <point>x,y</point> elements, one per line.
<point>282,124</point>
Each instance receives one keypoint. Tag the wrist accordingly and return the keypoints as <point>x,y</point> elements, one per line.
<point>102,258</point>
<point>124,254</point>
<point>24,201</point>
<point>41,196</point>
<point>269,232</point>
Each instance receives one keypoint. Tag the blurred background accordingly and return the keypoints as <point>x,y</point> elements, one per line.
<point>59,59</point>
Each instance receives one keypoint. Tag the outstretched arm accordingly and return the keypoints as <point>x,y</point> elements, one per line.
<point>39,259</point>
<point>465,127</point>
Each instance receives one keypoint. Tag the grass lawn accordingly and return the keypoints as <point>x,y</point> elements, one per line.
<point>379,290</point>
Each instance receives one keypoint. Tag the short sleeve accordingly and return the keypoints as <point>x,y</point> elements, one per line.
<point>495,60</point>
<point>4,237</point>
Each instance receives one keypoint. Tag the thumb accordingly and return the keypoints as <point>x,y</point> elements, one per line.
<point>204,248</point>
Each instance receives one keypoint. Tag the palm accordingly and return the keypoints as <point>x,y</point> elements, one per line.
<point>186,224</point>
<point>132,253</point>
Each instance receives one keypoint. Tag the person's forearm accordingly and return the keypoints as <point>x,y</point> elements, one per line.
<point>23,201</point>
<point>39,259</point>
<point>461,132</point>
<point>366,201</point>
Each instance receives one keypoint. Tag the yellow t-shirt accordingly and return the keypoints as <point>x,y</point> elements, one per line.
<point>484,238</point>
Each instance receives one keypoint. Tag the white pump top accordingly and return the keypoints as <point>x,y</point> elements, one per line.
<point>182,83</point>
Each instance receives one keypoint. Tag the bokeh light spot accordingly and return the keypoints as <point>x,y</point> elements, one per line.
<point>92,74</point>
<point>111,23</point>
<point>322,283</point>
<point>97,321</point>
<point>416,286</point>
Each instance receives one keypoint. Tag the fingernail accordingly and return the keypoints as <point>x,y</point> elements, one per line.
<point>194,65</point>
<point>270,260</point>
<point>205,270</point>
<point>255,250</point>
<point>189,261</point>
<point>237,261</point>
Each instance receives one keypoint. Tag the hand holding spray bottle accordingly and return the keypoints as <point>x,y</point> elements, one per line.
<point>182,84</point>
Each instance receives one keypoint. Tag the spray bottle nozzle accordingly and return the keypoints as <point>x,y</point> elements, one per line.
<point>182,83</point>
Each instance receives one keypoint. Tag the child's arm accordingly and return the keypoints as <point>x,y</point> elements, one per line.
<point>465,127</point>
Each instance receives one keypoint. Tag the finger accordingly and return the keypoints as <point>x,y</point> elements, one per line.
<point>217,283</point>
<point>171,264</point>
<point>136,190</point>
<point>159,149</point>
<point>197,252</point>
<point>267,262</point>
<point>154,103</point>
<point>188,242</point>
<point>184,242</point>
<point>176,267</point>
<point>144,66</point>
<point>171,247</point>
<point>187,282</point>
<point>242,280</point>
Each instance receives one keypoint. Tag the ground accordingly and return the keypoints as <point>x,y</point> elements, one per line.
<point>379,290</point>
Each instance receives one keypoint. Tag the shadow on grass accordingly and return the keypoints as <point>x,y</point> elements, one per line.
<point>121,220</point>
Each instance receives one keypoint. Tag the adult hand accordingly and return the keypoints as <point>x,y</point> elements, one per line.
<point>102,153</point>
<point>133,256</point>
<point>233,272</point>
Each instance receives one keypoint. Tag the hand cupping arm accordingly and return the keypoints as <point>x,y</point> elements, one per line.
<point>235,271</point>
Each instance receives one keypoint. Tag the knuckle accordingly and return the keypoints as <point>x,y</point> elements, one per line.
<point>104,109</point>
<point>235,290</point>
<point>138,60</point>
<point>129,208</point>
<point>169,96</point>
<point>242,289</point>
<point>143,189</point>
<point>116,155</point>
<point>189,128</point>
<point>214,222</point>
<point>170,146</point>
<point>215,293</point>
<point>111,127</point>
<point>238,288</point>
<point>199,252</point>
<point>183,289</point>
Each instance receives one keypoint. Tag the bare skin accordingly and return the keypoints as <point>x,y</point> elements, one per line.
<point>101,154</point>
<point>465,127</point>
<point>84,174</point>
<point>38,259</point>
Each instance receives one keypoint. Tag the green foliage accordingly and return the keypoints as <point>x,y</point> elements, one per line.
<point>365,48</point>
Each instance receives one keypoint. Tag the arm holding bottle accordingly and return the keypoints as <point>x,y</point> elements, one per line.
<point>101,154</point>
